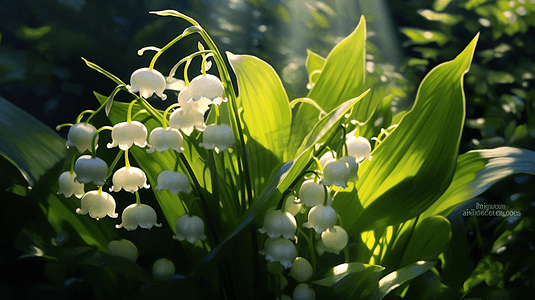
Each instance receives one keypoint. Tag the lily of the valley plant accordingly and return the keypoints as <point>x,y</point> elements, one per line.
<point>337,196</point>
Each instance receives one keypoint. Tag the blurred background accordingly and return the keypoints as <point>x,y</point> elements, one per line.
<point>41,71</point>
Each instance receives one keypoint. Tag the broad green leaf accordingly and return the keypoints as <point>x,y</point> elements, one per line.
<point>422,37</point>
<point>336,274</point>
<point>477,171</point>
<point>282,178</point>
<point>429,239</point>
<point>27,143</point>
<point>429,287</point>
<point>440,5</point>
<point>341,79</point>
<point>397,278</point>
<point>314,62</point>
<point>266,110</point>
<point>414,165</point>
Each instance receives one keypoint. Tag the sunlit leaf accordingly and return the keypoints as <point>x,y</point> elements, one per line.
<point>422,37</point>
<point>27,143</point>
<point>477,171</point>
<point>341,79</point>
<point>396,278</point>
<point>266,109</point>
<point>414,165</point>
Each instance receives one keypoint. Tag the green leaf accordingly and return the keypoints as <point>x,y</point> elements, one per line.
<point>27,143</point>
<point>397,278</point>
<point>422,37</point>
<point>341,79</point>
<point>414,165</point>
<point>266,115</point>
<point>314,62</point>
<point>429,287</point>
<point>477,171</point>
<point>429,239</point>
<point>336,274</point>
<point>102,71</point>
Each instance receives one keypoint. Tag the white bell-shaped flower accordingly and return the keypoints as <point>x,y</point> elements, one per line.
<point>304,292</point>
<point>190,228</point>
<point>67,186</point>
<point>336,172</point>
<point>90,169</point>
<point>291,206</point>
<point>353,167</point>
<point>163,269</point>
<point>279,223</point>
<point>98,205</point>
<point>280,250</point>
<point>336,241</point>
<point>326,157</point>
<point>147,82</point>
<point>123,248</point>
<point>140,215</point>
<point>218,137</point>
<point>301,270</point>
<point>80,136</point>
<point>130,179</point>
<point>179,119</point>
<point>188,104</point>
<point>359,147</point>
<point>312,193</point>
<point>126,134</point>
<point>174,181</point>
<point>207,86</point>
<point>321,218</point>
<point>162,139</point>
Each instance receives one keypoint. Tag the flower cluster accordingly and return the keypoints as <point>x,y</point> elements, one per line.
<point>315,201</point>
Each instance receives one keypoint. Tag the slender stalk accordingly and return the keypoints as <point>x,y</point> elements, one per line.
<point>94,140</point>
<point>114,163</point>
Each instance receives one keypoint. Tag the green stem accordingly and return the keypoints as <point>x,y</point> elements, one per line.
<point>129,111</point>
<point>186,67</point>
<point>142,111</point>
<point>81,115</point>
<point>310,248</point>
<point>171,43</point>
<point>73,161</point>
<point>185,59</point>
<point>126,160</point>
<point>94,140</point>
<point>138,200</point>
<point>114,163</point>
<point>58,128</point>
<point>202,197</point>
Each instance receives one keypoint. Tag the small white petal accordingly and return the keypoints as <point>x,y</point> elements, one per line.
<point>140,215</point>
<point>130,179</point>
<point>147,82</point>
<point>126,134</point>
<point>81,136</point>
<point>98,205</point>
<point>67,185</point>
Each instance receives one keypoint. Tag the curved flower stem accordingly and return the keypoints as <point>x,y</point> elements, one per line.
<point>325,196</point>
<point>81,115</point>
<point>175,168</point>
<point>165,122</point>
<point>100,189</point>
<point>202,197</point>
<point>341,149</point>
<point>129,111</point>
<point>114,163</point>
<point>153,112</point>
<point>58,128</point>
<point>171,43</point>
<point>186,67</point>
<point>93,141</point>
<point>73,161</point>
<point>185,59</point>
<point>142,111</point>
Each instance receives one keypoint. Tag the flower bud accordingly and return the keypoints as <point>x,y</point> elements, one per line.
<point>140,215</point>
<point>321,218</point>
<point>179,119</point>
<point>335,241</point>
<point>206,86</point>
<point>312,193</point>
<point>147,82</point>
<point>218,137</point>
<point>336,172</point>
<point>90,169</point>
<point>80,136</point>
<point>126,134</point>
<point>190,229</point>
<point>123,248</point>
<point>326,157</point>
<point>67,186</point>
<point>174,181</point>
<point>304,292</point>
<point>301,270</point>
<point>163,269</point>
<point>162,139</point>
<point>291,206</point>
<point>360,148</point>
<point>279,223</point>
<point>280,250</point>
<point>130,179</point>
<point>98,205</point>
